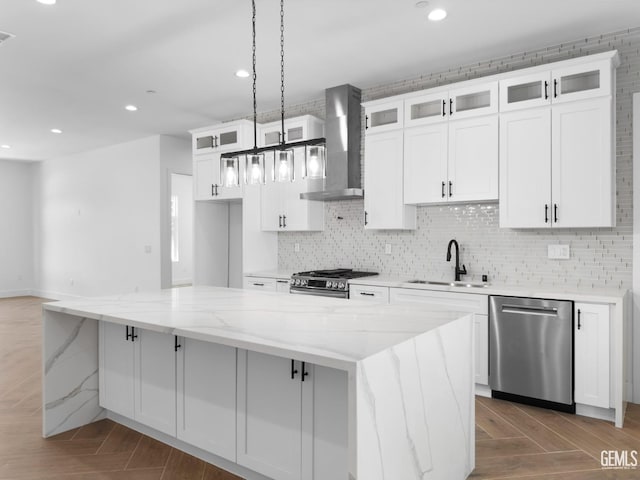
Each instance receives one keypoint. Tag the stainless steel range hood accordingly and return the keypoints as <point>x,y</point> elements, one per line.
<point>342,131</point>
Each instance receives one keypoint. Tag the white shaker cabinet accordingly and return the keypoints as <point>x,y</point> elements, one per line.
<point>282,285</point>
<point>370,293</point>
<point>137,375</point>
<point>384,206</point>
<point>206,396</point>
<point>591,333</point>
<point>426,153</point>
<point>296,129</point>
<point>274,416</point>
<point>556,166</point>
<point>260,283</point>
<point>383,117</point>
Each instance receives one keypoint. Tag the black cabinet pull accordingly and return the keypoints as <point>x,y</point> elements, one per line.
<point>579,314</point>
<point>284,221</point>
<point>450,188</point>
<point>133,334</point>
<point>304,373</point>
<point>443,194</point>
<point>215,139</point>
<point>294,370</point>
<point>444,107</point>
<point>259,284</point>
<point>176,345</point>
<point>367,294</point>
<point>555,88</point>
<point>217,189</point>
<point>546,213</point>
<point>555,213</point>
<point>280,221</point>
<point>546,90</point>
<point>128,334</point>
<point>366,122</point>
<point>213,190</point>
<point>366,222</point>
<point>450,106</point>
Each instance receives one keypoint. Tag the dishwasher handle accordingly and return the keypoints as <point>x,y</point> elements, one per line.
<point>530,310</point>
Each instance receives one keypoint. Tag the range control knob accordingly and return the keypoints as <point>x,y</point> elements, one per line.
<point>341,285</point>
<point>297,281</point>
<point>304,282</point>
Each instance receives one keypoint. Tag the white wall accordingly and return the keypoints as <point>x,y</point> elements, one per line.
<point>16,230</point>
<point>98,226</point>
<point>182,270</point>
<point>636,248</point>
<point>175,157</point>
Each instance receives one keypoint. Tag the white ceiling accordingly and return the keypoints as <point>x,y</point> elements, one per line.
<point>75,65</point>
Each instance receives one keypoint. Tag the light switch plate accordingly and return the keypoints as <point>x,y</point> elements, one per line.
<point>296,247</point>
<point>387,248</point>
<point>558,252</point>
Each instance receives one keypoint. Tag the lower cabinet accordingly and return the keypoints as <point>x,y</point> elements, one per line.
<point>372,293</point>
<point>591,356</point>
<point>267,284</point>
<point>138,375</point>
<point>292,418</point>
<point>462,302</point>
<point>206,396</point>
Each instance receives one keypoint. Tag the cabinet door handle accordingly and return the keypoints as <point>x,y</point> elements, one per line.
<point>304,373</point>
<point>282,281</point>
<point>294,370</point>
<point>450,188</point>
<point>546,213</point>
<point>450,106</point>
<point>213,190</point>
<point>555,88</point>
<point>133,335</point>
<point>176,345</point>
<point>444,107</point>
<point>366,222</point>
<point>546,90</point>
<point>259,284</point>
<point>128,336</point>
<point>215,139</point>
<point>579,315</point>
<point>284,221</point>
<point>555,213</point>
<point>367,294</point>
<point>280,221</point>
<point>443,194</point>
<point>366,122</point>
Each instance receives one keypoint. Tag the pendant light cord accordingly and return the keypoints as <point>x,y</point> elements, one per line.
<point>282,67</point>
<point>255,104</point>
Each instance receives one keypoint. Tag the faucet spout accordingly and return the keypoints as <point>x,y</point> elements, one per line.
<point>458,271</point>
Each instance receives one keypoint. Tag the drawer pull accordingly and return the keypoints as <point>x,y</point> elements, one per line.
<point>367,294</point>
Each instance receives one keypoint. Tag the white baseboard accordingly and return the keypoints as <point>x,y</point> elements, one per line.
<point>483,390</point>
<point>187,448</point>
<point>608,414</point>
<point>15,293</point>
<point>55,295</point>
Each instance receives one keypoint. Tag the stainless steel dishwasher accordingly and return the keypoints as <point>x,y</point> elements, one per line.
<point>531,351</point>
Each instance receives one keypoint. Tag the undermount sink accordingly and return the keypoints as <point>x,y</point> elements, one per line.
<point>450,284</point>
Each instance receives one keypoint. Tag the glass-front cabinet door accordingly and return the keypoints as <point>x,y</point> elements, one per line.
<point>384,117</point>
<point>528,91</point>
<point>581,81</point>
<point>426,109</point>
<point>473,101</point>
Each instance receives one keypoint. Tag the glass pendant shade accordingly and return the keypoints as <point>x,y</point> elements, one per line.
<point>314,165</point>
<point>230,172</point>
<point>283,166</point>
<point>254,169</point>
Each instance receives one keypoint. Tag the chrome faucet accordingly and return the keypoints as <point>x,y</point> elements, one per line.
<point>459,271</point>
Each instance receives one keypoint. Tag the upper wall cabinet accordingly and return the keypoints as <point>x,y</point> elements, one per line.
<point>557,161</point>
<point>565,84</point>
<point>384,117</point>
<point>295,130</point>
<point>217,178</point>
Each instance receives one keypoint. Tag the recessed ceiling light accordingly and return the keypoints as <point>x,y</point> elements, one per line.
<point>437,15</point>
<point>421,4</point>
<point>47,2</point>
<point>56,130</point>
<point>5,146</point>
<point>131,108</point>
<point>242,74</point>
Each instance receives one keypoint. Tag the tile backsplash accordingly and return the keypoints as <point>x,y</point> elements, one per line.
<point>599,257</point>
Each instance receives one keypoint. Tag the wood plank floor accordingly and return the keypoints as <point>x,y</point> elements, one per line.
<point>512,441</point>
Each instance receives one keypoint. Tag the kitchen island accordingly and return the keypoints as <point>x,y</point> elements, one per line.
<point>379,391</point>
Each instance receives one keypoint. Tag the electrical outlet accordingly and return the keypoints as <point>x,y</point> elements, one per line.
<point>296,247</point>
<point>387,248</point>
<point>558,252</point>
<point>147,249</point>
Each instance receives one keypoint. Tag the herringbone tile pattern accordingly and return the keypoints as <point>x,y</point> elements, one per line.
<point>512,441</point>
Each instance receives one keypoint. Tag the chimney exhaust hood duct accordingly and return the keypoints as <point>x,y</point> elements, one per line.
<point>342,131</point>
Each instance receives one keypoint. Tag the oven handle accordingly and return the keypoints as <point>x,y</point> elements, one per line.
<point>319,293</point>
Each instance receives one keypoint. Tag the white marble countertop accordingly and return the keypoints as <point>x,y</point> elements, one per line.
<point>277,274</point>
<point>581,295</point>
<point>325,331</point>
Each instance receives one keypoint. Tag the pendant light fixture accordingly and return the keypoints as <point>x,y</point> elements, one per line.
<point>254,161</point>
<point>283,168</point>
<point>283,157</point>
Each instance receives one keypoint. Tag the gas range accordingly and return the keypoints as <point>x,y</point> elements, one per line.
<point>327,283</point>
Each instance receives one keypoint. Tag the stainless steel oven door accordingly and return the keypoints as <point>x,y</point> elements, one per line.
<point>318,292</point>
